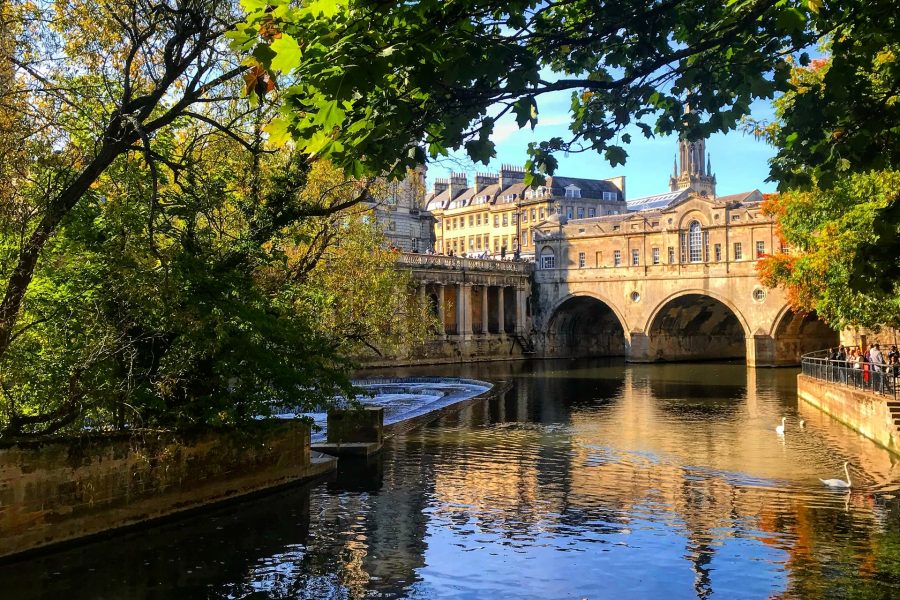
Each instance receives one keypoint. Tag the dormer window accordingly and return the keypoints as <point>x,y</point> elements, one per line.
<point>573,191</point>
<point>610,196</point>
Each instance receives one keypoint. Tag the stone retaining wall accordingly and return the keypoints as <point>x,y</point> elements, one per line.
<point>61,490</point>
<point>864,412</point>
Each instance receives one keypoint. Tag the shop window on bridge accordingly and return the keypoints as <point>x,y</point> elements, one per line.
<point>695,242</point>
<point>655,256</point>
<point>635,257</point>
<point>581,260</point>
<point>617,258</point>
<point>671,255</point>
<point>548,259</point>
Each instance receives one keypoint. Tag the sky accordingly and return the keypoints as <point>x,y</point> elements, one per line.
<point>739,161</point>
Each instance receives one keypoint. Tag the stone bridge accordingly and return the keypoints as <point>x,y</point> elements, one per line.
<point>673,284</point>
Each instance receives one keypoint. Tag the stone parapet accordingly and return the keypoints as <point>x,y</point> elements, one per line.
<point>865,412</point>
<point>61,490</point>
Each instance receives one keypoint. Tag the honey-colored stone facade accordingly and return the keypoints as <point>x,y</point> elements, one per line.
<point>676,282</point>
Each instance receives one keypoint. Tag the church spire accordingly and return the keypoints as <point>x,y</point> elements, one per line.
<point>690,170</point>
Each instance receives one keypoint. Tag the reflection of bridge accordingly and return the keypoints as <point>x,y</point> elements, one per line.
<point>674,284</point>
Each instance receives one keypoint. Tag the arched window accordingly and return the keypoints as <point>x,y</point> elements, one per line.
<point>548,258</point>
<point>695,242</point>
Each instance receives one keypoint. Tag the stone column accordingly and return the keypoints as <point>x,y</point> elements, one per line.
<point>501,317</point>
<point>520,310</point>
<point>464,309</point>
<point>442,332</point>
<point>485,318</point>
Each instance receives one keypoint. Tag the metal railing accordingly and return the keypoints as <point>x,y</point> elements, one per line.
<point>878,378</point>
<point>459,263</point>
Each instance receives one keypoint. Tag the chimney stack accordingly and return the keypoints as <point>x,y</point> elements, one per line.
<point>440,184</point>
<point>459,182</point>
<point>482,180</point>
<point>511,174</point>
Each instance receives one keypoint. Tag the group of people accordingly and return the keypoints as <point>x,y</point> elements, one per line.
<point>867,368</point>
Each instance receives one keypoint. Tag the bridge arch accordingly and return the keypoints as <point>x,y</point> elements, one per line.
<point>696,325</point>
<point>583,325</point>
<point>797,333</point>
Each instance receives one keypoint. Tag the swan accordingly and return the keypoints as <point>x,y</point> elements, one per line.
<point>780,429</point>
<point>802,424</point>
<point>838,483</point>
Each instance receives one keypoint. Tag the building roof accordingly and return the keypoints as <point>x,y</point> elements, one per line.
<point>658,201</point>
<point>590,188</point>
<point>741,198</point>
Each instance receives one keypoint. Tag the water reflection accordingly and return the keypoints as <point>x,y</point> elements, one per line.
<point>584,480</point>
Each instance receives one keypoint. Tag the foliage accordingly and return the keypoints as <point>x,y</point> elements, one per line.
<point>838,137</point>
<point>226,296</point>
<point>837,235</point>
<point>376,81</point>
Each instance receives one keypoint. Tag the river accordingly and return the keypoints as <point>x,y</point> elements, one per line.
<point>587,479</point>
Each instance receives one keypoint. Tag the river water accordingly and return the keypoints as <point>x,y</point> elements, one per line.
<point>585,480</point>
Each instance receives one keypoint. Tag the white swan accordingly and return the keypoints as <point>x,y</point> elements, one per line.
<point>838,483</point>
<point>802,424</point>
<point>780,429</point>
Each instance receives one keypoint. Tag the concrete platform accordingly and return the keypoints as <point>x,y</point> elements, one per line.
<point>347,448</point>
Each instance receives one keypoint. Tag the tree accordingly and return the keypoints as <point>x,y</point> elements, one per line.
<point>838,164</point>
<point>378,80</point>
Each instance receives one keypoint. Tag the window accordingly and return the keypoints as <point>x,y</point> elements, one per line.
<point>635,257</point>
<point>471,220</point>
<point>569,212</point>
<point>735,217</point>
<point>610,196</point>
<point>478,219</point>
<point>496,220</point>
<point>533,214</point>
<point>478,241</point>
<point>581,260</point>
<point>615,227</point>
<point>617,258</point>
<point>497,244</point>
<point>654,224</point>
<point>524,216</point>
<point>471,243</point>
<point>514,218</point>
<point>525,239</point>
<point>760,249</point>
<point>656,256</point>
<point>505,219</point>
<point>737,251</point>
<point>542,213</point>
<point>580,212</point>
<point>462,222</point>
<point>548,259</point>
<point>695,242</point>
<point>671,255</point>
<point>609,212</point>
<point>592,212</point>
<point>573,191</point>
<point>718,248</point>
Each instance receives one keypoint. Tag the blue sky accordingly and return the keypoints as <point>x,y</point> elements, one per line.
<point>738,160</point>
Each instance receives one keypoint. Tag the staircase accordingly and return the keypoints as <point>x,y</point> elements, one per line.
<point>527,345</point>
<point>894,407</point>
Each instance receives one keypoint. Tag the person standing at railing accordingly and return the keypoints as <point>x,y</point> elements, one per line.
<point>876,361</point>
<point>856,367</point>
<point>840,359</point>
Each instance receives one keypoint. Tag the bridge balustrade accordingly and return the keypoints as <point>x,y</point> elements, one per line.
<point>429,261</point>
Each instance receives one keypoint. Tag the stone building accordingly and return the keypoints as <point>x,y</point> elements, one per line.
<point>399,211</point>
<point>671,278</point>
<point>498,214</point>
